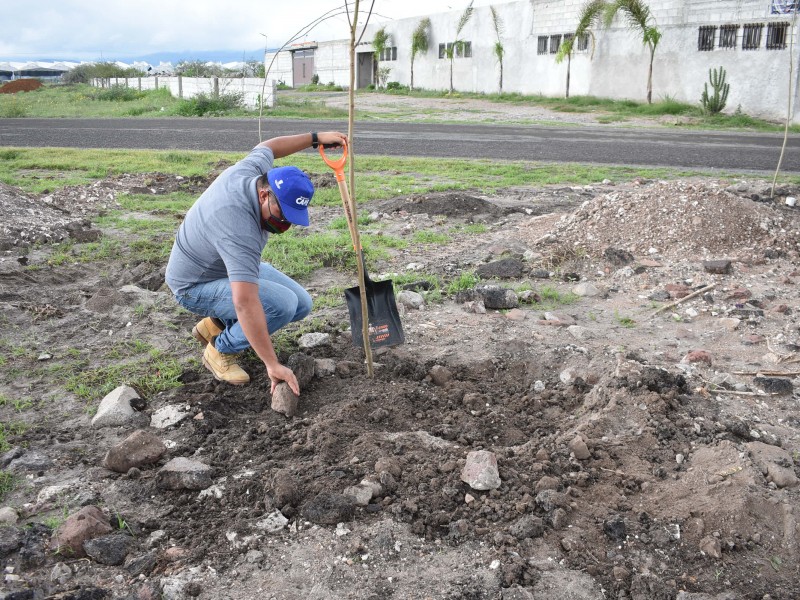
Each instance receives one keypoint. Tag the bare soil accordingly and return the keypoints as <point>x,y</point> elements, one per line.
<point>640,456</point>
<point>20,85</point>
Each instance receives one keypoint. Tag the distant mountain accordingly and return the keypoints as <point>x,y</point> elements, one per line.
<point>220,56</point>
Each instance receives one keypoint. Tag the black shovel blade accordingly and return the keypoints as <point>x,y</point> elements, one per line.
<point>384,320</point>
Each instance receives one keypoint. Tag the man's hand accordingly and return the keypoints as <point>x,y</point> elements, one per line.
<point>332,138</point>
<point>280,373</point>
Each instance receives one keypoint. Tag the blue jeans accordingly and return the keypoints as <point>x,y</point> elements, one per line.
<point>283,299</point>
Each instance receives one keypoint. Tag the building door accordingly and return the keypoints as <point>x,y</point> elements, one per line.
<point>302,67</point>
<point>366,69</point>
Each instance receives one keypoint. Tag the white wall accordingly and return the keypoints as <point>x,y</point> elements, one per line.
<point>618,69</point>
<point>251,88</point>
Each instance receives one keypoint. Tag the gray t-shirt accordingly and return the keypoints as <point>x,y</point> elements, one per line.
<point>221,236</point>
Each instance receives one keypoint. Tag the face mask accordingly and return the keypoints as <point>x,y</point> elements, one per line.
<point>272,223</point>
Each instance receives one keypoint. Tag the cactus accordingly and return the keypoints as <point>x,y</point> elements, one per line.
<point>715,103</point>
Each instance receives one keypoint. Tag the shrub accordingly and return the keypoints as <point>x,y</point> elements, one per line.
<point>393,85</point>
<point>203,104</point>
<point>315,79</point>
<point>117,93</point>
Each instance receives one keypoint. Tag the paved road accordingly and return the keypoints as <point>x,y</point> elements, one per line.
<point>594,144</point>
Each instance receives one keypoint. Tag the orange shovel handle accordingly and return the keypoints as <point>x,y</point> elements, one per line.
<point>336,165</point>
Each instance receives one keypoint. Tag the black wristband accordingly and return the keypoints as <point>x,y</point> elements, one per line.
<point>314,140</point>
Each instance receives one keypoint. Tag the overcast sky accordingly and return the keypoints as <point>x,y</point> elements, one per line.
<point>112,29</point>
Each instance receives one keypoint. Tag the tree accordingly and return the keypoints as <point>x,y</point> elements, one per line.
<point>499,50</point>
<point>419,43</point>
<point>457,46</point>
<point>379,44</point>
<point>639,18</point>
<point>590,15</point>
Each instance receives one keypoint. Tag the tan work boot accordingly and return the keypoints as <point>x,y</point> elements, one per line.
<point>206,330</point>
<point>224,366</point>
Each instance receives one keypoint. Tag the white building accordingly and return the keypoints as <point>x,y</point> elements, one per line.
<point>751,39</point>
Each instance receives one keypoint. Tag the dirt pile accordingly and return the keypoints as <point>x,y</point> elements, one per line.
<point>630,464</point>
<point>677,220</point>
<point>20,85</point>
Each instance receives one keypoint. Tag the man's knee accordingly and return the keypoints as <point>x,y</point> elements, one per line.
<point>304,305</point>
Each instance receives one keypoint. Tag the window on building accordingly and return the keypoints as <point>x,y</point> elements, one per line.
<point>705,38</point>
<point>583,43</point>
<point>727,36</point>
<point>389,53</point>
<point>776,36</point>
<point>464,50</point>
<point>442,51</point>
<point>542,48</point>
<point>567,37</point>
<point>555,43</point>
<point>751,36</point>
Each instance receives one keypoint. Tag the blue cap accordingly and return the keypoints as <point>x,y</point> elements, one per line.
<point>294,191</point>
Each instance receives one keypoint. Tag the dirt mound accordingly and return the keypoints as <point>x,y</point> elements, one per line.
<point>445,204</point>
<point>679,219</point>
<point>20,85</point>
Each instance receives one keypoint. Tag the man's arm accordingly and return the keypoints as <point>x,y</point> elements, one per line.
<point>251,316</point>
<point>289,144</point>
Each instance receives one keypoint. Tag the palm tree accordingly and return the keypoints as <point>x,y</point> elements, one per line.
<point>419,43</point>
<point>499,51</point>
<point>590,14</point>
<point>639,18</point>
<point>458,43</point>
<point>379,43</point>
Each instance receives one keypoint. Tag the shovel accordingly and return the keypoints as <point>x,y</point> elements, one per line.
<point>383,320</point>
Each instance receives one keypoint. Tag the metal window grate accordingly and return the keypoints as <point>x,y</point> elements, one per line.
<point>705,38</point>
<point>464,50</point>
<point>727,36</point>
<point>583,43</point>
<point>751,36</point>
<point>442,51</point>
<point>555,43</point>
<point>776,36</point>
<point>542,48</point>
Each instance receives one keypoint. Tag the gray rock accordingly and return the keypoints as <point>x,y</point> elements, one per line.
<point>480,472</point>
<point>108,549</point>
<point>711,546</point>
<point>313,340</point>
<point>360,494</point>
<point>324,367</point>
<point>579,448</point>
<point>184,474</point>
<point>8,516</point>
<point>540,274</point>
<point>586,289</point>
<point>388,464</point>
<point>550,500</point>
<point>329,509</point>
<point>440,375</point>
<point>7,457</point>
<point>116,409</point>
<point>775,385</point>
<point>528,526</point>
<point>284,489</point>
<point>139,448</point>
<point>61,573</point>
<point>30,461</point>
<point>498,298</point>
<point>506,268</point>
<point>579,333</point>
<point>142,565</point>
<point>273,522</point>
<point>284,400</point>
<point>303,366</point>
<point>775,463</point>
<point>410,299</point>
<point>10,540</point>
<point>168,416</point>
<point>718,267</point>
